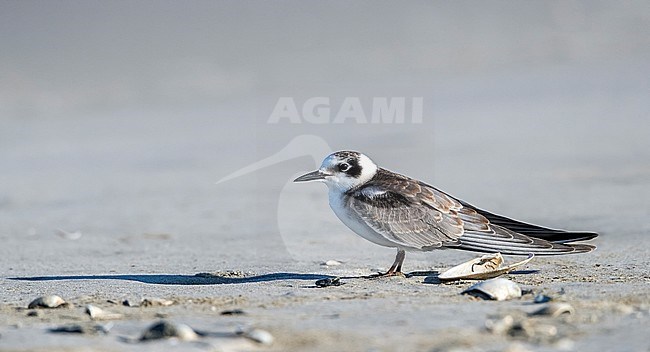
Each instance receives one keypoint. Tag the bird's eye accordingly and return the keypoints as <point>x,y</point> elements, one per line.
<point>344,167</point>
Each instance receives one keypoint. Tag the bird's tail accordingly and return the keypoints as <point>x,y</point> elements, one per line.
<point>536,231</point>
<point>506,241</point>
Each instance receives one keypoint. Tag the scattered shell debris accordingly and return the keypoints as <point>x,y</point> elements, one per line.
<point>498,289</point>
<point>165,329</point>
<point>330,281</point>
<point>485,267</point>
<point>156,302</point>
<point>554,309</point>
<point>52,301</point>
<point>97,313</point>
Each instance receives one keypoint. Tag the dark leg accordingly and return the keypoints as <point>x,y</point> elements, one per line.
<point>396,268</point>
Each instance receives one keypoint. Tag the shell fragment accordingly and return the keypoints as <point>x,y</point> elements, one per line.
<point>485,267</point>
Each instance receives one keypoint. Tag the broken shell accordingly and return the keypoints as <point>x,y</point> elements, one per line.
<point>331,263</point>
<point>97,313</point>
<point>258,335</point>
<point>330,281</point>
<point>485,267</point>
<point>498,289</point>
<point>554,310</point>
<point>151,302</point>
<point>164,329</point>
<point>52,301</point>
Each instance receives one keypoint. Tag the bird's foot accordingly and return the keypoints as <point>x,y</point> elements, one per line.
<point>386,274</point>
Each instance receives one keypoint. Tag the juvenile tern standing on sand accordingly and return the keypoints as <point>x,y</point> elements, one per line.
<point>394,210</point>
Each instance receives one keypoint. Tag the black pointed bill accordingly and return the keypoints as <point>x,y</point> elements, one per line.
<point>312,176</point>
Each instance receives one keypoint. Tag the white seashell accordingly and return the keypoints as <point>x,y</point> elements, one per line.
<point>52,301</point>
<point>164,329</point>
<point>485,267</point>
<point>554,309</point>
<point>260,336</point>
<point>498,289</point>
<point>97,313</point>
<point>152,302</point>
<point>331,263</point>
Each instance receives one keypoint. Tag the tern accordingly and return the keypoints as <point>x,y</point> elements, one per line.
<point>393,210</point>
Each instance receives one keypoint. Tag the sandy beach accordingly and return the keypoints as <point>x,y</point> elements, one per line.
<point>117,146</point>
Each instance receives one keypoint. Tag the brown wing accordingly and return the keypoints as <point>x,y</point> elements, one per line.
<point>413,214</point>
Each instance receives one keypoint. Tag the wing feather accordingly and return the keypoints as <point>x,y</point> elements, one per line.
<point>413,214</point>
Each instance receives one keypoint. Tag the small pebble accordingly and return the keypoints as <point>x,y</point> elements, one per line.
<point>330,281</point>
<point>52,301</point>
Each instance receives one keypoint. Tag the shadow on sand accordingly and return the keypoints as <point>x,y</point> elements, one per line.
<point>198,279</point>
<point>431,277</point>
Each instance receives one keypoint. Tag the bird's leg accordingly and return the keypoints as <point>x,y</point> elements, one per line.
<point>396,268</point>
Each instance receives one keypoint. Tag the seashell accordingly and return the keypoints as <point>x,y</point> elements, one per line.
<point>258,335</point>
<point>498,289</point>
<point>164,329</point>
<point>331,263</point>
<point>152,302</point>
<point>330,281</point>
<point>97,313</point>
<point>485,267</point>
<point>52,301</point>
<point>554,309</point>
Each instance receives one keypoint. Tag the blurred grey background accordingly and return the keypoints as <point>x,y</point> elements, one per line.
<point>117,118</point>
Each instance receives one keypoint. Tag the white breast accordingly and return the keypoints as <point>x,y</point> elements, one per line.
<point>337,202</point>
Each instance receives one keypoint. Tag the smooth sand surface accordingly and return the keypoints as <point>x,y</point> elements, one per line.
<point>109,164</point>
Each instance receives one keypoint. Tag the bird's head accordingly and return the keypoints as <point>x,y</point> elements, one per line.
<point>343,171</point>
